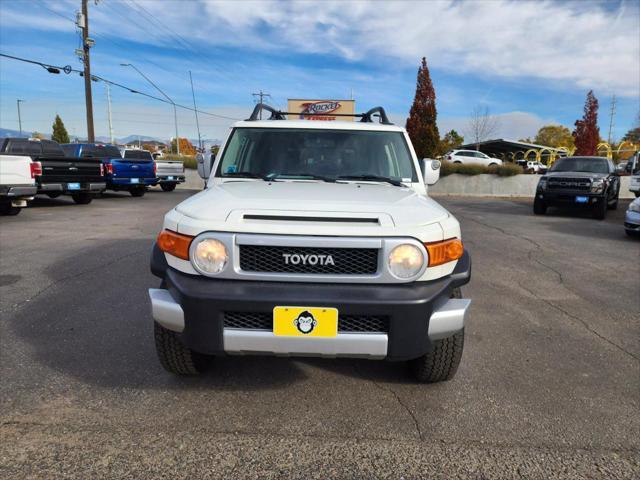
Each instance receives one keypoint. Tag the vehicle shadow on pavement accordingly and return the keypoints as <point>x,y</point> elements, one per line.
<point>93,323</point>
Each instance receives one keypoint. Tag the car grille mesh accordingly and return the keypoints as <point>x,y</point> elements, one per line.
<point>346,323</point>
<point>568,183</point>
<point>346,261</point>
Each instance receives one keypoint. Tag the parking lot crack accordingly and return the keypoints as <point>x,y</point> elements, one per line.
<point>58,281</point>
<point>580,321</point>
<point>395,395</point>
<point>530,255</point>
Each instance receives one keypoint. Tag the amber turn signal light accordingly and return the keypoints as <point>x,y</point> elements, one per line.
<point>174,244</point>
<point>445,251</point>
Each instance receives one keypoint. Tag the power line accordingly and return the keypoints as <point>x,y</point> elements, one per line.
<point>68,69</point>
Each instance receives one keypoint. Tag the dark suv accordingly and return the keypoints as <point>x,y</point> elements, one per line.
<point>590,182</point>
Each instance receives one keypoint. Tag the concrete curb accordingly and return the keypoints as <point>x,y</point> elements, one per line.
<point>486,185</point>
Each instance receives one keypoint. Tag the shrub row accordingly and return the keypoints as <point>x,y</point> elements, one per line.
<point>505,170</point>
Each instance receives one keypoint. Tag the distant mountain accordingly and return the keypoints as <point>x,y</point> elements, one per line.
<point>7,132</point>
<point>128,140</point>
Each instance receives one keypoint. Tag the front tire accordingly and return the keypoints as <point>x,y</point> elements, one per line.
<point>441,362</point>
<point>137,192</point>
<point>83,198</point>
<point>600,209</point>
<point>539,206</point>
<point>168,187</point>
<point>174,356</point>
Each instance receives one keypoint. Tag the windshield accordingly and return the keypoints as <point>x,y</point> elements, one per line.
<point>323,154</point>
<point>581,164</point>
<point>137,155</point>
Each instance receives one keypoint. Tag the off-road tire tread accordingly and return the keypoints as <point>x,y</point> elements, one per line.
<point>174,356</point>
<point>441,363</point>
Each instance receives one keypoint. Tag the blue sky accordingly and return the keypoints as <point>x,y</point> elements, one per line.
<point>530,63</point>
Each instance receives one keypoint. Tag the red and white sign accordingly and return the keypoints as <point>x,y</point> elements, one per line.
<point>323,107</point>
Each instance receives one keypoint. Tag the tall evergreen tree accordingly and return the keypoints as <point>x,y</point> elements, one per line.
<point>59,134</point>
<point>421,124</point>
<point>587,133</point>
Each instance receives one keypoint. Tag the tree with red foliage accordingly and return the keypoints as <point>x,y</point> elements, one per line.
<point>587,133</point>
<point>421,124</point>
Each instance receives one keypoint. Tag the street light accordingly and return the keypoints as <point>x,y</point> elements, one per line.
<point>175,113</point>
<point>19,117</point>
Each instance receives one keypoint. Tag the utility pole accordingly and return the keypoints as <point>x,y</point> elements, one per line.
<point>175,113</point>
<point>83,23</point>
<point>195,109</point>
<point>19,117</point>
<point>111,139</point>
<point>612,115</point>
<point>262,95</point>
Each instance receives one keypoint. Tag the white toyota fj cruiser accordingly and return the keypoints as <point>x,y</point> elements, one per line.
<point>312,238</point>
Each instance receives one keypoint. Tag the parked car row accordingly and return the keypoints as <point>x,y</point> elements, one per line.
<point>32,166</point>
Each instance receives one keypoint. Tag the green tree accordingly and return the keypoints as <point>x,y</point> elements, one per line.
<point>421,124</point>
<point>632,136</point>
<point>59,134</point>
<point>451,140</point>
<point>554,136</point>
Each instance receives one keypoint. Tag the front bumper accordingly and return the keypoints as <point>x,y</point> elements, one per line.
<point>417,313</point>
<point>63,188</point>
<point>552,197</point>
<point>632,221</point>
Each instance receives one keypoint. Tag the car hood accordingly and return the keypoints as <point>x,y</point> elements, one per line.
<point>231,201</point>
<point>576,174</point>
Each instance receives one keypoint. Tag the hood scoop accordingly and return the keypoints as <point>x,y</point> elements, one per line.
<point>300,218</point>
<point>310,217</point>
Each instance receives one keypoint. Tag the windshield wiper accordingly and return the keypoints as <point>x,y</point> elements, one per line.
<point>246,175</point>
<point>371,178</point>
<point>310,176</point>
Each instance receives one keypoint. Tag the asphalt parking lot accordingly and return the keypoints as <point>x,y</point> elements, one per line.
<point>549,385</point>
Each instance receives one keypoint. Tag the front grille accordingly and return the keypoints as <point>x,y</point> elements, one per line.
<point>327,261</point>
<point>567,183</point>
<point>346,323</point>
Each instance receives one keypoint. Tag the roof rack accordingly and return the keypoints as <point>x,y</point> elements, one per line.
<point>366,117</point>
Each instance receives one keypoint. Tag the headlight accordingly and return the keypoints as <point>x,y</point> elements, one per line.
<point>597,186</point>
<point>542,184</point>
<point>634,207</point>
<point>210,256</point>
<point>405,261</point>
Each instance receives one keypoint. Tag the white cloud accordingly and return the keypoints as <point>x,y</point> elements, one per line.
<point>581,43</point>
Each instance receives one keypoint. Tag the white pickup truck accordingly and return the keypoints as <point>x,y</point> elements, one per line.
<point>17,182</point>
<point>312,238</point>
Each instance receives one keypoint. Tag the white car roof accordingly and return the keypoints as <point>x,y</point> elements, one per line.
<point>318,125</point>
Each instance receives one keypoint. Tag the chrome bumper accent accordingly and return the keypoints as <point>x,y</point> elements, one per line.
<point>165,310</point>
<point>96,187</point>
<point>365,345</point>
<point>448,319</point>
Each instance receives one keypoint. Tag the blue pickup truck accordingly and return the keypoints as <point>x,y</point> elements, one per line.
<point>131,174</point>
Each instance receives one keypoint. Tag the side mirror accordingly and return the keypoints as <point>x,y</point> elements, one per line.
<point>204,162</point>
<point>430,170</point>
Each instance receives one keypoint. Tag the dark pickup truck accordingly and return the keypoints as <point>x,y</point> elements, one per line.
<point>78,177</point>
<point>128,174</point>
<point>589,182</point>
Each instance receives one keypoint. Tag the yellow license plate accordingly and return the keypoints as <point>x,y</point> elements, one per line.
<point>305,321</point>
